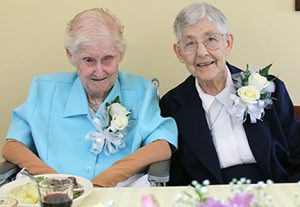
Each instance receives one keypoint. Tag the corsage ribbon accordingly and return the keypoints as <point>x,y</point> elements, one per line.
<point>104,139</point>
<point>240,110</point>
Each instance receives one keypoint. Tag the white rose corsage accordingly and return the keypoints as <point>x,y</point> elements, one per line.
<point>254,94</point>
<point>111,136</point>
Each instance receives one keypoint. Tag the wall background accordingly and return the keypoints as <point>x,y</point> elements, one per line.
<point>32,35</point>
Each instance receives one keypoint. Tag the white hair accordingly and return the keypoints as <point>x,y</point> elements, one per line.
<point>90,26</point>
<point>197,11</point>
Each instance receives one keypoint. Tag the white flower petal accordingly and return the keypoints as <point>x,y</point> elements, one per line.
<point>258,81</point>
<point>249,94</point>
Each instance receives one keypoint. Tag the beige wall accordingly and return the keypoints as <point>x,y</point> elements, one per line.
<point>32,34</point>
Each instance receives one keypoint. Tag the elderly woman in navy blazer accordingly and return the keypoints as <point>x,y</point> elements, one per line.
<point>231,123</point>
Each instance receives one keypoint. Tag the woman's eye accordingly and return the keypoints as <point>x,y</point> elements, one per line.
<point>107,59</point>
<point>89,60</point>
<point>211,39</point>
<point>190,43</point>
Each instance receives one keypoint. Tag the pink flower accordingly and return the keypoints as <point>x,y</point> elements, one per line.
<point>212,203</point>
<point>149,201</point>
<point>242,199</point>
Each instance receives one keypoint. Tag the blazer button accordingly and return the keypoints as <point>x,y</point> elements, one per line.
<point>89,169</point>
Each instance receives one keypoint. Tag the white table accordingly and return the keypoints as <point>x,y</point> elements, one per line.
<point>282,195</point>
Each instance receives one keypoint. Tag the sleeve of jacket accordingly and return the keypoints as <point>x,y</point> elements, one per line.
<point>291,128</point>
<point>178,175</point>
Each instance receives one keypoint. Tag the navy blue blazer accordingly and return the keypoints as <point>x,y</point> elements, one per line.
<point>275,141</point>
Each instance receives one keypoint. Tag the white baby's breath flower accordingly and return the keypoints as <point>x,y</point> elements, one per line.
<point>206,182</point>
<point>258,81</point>
<point>243,194</point>
<point>194,182</point>
<point>248,94</point>
<point>243,180</point>
<point>234,180</point>
<point>203,190</point>
<point>261,184</point>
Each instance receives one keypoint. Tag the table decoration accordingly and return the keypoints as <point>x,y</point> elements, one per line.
<point>149,201</point>
<point>244,194</point>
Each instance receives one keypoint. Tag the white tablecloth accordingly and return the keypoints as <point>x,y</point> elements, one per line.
<point>282,195</point>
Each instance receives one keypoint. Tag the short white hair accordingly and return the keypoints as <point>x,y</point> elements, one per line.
<point>92,25</point>
<point>197,11</point>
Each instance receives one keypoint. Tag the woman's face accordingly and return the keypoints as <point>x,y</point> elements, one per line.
<point>97,67</point>
<point>203,49</point>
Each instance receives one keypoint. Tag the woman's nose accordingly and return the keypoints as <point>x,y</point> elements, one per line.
<point>98,66</point>
<point>201,50</point>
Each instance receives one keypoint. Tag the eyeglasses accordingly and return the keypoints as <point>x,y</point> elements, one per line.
<point>210,41</point>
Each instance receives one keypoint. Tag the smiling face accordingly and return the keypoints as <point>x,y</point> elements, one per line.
<point>205,64</point>
<point>97,67</point>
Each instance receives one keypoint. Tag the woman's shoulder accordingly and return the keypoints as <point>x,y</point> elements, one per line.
<point>61,77</point>
<point>133,81</point>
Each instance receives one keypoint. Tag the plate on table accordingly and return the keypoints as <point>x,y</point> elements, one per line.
<point>25,190</point>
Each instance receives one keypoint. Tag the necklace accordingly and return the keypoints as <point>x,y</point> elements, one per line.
<point>211,122</point>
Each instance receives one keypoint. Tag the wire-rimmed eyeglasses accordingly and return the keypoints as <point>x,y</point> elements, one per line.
<point>210,41</point>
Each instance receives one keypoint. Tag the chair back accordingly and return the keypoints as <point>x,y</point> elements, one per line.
<point>297,111</point>
<point>158,172</point>
<point>155,82</point>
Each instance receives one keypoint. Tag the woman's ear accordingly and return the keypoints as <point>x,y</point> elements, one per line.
<point>178,52</point>
<point>70,57</point>
<point>121,56</point>
<point>229,41</point>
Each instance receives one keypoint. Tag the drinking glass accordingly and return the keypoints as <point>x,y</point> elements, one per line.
<point>56,192</point>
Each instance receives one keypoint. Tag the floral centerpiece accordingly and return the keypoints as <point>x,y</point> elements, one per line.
<point>110,136</point>
<point>243,195</point>
<point>254,94</point>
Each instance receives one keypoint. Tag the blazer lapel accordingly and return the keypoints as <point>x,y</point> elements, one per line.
<point>195,133</point>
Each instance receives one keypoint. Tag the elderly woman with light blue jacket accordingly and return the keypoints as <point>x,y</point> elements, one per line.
<point>96,122</point>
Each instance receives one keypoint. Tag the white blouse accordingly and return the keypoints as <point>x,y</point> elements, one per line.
<point>229,138</point>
